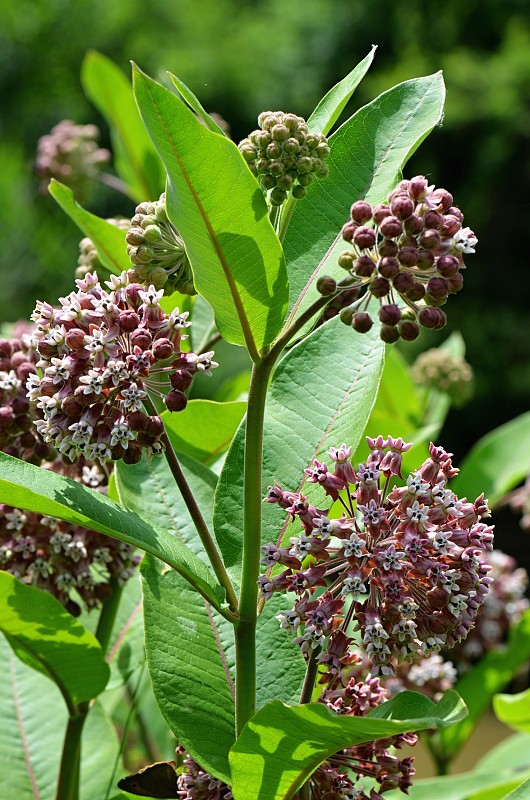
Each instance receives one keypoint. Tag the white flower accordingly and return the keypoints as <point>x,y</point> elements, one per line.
<point>465,240</point>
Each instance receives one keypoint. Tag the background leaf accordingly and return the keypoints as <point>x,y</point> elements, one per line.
<point>50,640</point>
<point>35,489</point>
<point>498,462</point>
<point>514,710</point>
<point>367,153</point>
<point>31,736</point>
<point>109,240</point>
<point>136,159</point>
<point>218,208</point>
<point>281,746</point>
<point>205,429</point>
<point>321,394</point>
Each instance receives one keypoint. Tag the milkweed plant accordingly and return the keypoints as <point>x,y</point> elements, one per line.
<point>204,400</point>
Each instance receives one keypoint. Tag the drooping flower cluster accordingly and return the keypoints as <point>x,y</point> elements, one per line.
<point>88,260</point>
<point>100,353</point>
<point>157,251</point>
<point>59,557</point>
<point>408,559</point>
<point>18,437</point>
<point>284,155</point>
<point>70,154</point>
<point>503,606</point>
<point>439,369</point>
<point>406,253</point>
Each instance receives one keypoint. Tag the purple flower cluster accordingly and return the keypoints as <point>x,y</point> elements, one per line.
<point>71,154</point>
<point>101,353</point>
<point>194,783</point>
<point>59,557</point>
<point>407,253</point>
<point>404,560</point>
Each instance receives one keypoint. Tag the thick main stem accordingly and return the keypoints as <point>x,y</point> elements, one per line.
<point>68,782</point>
<point>196,515</point>
<point>245,631</point>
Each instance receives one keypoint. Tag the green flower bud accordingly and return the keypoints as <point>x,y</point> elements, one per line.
<point>152,234</point>
<point>299,192</point>
<point>278,196</point>
<point>274,150</point>
<point>285,182</point>
<point>267,182</point>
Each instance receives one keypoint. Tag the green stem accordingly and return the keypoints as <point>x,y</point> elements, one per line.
<point>68,783</point>
<point>310,677</point>
<point>107,615</point>
<point>274,214</point>
<point>440,759</point>
<point>196,514</point>
<point>245,630</point>
<point>114,183</point>
<point>285,219</point>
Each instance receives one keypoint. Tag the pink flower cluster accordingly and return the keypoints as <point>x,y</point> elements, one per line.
<point>194,783</point>
<point>403,563</point>
<point>101,353</point>
<point>407,253</point>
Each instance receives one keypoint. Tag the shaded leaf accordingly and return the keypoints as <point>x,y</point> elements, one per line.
<point>34,489</point>
<point>219,210</point>
<point>47,638</point>
<point>367,153</point>
<point>204,429</point>
<point>281,746</point>
<point>108,240</point>
<point>136,159</point>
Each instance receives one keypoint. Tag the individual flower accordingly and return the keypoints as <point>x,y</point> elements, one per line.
<point>157,251</point>
<point>101,353</point>
<point>285,155</point>
<point>502,608</point>
<point>404,563</point>
<point>407,254</point>
<point>69,561</point>
<point>88,260</point>
<point>70,153</point>
<point>439,369</point>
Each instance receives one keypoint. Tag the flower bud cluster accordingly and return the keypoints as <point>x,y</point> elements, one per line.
<point>408,254</point>
<point>409,560</point>
<point>438,369</point>
<point>70,154</point>
<point>18,437</point>
<point>503,606</point>
<point>285,155</point>
<point>59,557</point>
<point>157,251</point>
<point>100,353</point>
<point>88,260</point>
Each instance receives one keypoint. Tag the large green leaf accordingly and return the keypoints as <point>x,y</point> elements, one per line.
<point>34,489</point>
<point>367,154</point>
<point>514,710</point>
<point>488,785</point>
<point>281,746</point>
<point>109,240</point>
<point>195,104</point>
<point>521,792</point>
<point>34,720</point>
<point>191,679</point>
<point>204,429</point>
<point>321,395</point>
<point>218,208</point>
<point>333,103</point>
<point>136,159</point>
<point>478,686</point>
<point>126,651</point>
<point>47,638</point>
<point>498,462</point>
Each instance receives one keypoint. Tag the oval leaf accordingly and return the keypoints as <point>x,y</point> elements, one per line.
<point>281,746</point>
<point>219,210</point>
<point>47,638</point>
<point>109,240</point>
<point>514,710</point>
<point>136,159</point>
<point>34,489</point>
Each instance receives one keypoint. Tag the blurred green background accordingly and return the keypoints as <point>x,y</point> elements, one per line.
<point>244,56</point>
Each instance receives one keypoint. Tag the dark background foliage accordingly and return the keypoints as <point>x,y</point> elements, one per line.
<point>243,56</point>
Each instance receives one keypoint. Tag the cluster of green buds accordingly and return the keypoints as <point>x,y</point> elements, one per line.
<point>157,251</point>
<point>88,260</point>
<point>285,155</point>
<point>438,369</point>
